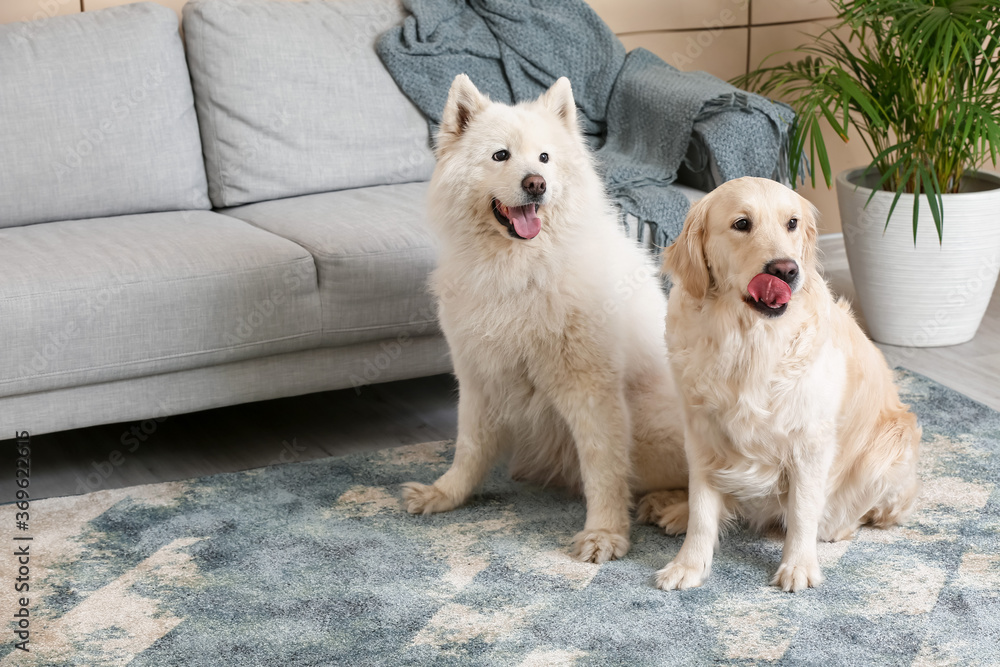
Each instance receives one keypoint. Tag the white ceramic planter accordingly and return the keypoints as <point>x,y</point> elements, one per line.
<point>933,293</point>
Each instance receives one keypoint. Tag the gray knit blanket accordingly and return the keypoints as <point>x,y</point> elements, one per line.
<point>645,120</point>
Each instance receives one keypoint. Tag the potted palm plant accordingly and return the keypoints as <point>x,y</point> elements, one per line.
<point>918,81</point>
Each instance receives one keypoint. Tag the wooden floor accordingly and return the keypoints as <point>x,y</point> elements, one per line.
<point>340,422</point>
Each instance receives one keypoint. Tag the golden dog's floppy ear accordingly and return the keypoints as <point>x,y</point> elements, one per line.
<point>811,231</point>
<point>559,100</point>
<point>685,259</point>
<point>464,102</point>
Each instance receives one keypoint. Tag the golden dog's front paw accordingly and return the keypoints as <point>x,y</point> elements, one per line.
<point>599,546</point>
<point>423,499</point>
<point>796,577</point>
<point>666,509</point>
<point>678,576</point>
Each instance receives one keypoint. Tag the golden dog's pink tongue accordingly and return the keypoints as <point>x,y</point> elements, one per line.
<point>526,223</point>
<point>772,290</point>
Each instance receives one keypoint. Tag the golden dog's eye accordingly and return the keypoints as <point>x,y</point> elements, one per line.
<point>792,224</point>
<point>742,225</point>
<point>544,157</point>
<point>501,155</point>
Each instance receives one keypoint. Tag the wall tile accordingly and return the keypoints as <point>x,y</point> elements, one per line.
<point>27,10</point>
<point>785,11</point>
<point>719,52</point>
<point>654,15</point>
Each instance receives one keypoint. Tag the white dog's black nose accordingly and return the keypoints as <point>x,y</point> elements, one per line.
<point>786,269</point>
<point>534,185</point>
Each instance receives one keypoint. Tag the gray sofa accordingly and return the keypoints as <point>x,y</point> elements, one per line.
<point>124,295</point>
<point>182,229</point>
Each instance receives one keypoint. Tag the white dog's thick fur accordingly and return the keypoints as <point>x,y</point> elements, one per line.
<point>791,415</point>
<point>557,339</point>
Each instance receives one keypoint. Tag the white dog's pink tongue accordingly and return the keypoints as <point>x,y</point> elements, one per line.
<point>526,223</point>
<point>772,290</point>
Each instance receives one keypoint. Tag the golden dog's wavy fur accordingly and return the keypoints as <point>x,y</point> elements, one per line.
<point>557,340</point>
<point>791,420</point>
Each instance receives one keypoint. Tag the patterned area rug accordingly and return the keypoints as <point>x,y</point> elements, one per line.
<point>315,564</point>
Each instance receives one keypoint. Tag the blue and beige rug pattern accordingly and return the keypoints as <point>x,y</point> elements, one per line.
<point>315,563</point>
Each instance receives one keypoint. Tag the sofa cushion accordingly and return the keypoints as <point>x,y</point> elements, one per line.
<point>97,117</point>
<point>292,99</point>
<point>373,254</point>
<point>87,301</point>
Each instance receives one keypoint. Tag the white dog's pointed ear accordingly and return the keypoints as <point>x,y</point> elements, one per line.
<point>559,100</point>
<point>685,259</point>
<point>464,102</point>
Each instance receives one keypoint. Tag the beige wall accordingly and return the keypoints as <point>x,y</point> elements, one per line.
<point>723,37</point>
<point>30,10</point>
<point>92,5</point>
<point>20,10</point>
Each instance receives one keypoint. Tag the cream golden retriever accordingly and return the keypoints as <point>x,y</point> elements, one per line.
<point>791,415</point>
<point>554,318</point>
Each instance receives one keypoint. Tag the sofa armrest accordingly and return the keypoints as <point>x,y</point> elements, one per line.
<point>737,135</point>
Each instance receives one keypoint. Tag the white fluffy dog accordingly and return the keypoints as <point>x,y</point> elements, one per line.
<point>791,414</point>
<point>554,318</point>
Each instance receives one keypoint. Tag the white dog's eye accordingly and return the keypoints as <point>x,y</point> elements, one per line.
<point>792,224</point>
<point>544,157</point>
<point>501,155</point>
<point>742,225</point>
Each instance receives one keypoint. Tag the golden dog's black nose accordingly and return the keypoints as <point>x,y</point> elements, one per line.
<point>786,269</point>
<point>534,185</point>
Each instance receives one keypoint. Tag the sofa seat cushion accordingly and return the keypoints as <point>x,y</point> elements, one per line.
<point>88,301</point>
<point>97,117</point>
<point>373,253</point>
<point>292,99</point>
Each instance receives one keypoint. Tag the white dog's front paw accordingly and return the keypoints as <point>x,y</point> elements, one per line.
<point>680,576</point>
<point>599,546</point>
<point>423,499</point>
<point>796,577</point>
